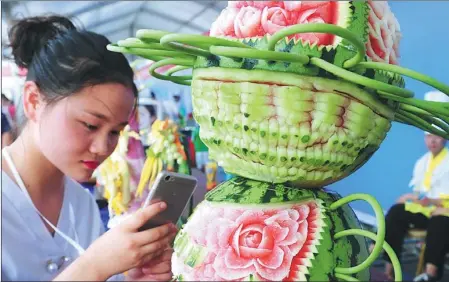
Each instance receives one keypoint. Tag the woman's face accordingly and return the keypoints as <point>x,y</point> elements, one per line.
<point>78,133</point>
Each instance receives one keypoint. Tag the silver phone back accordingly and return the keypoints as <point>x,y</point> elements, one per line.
<point>175,190</point>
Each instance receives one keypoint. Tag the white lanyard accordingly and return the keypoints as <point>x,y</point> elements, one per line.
<point>19,181</point>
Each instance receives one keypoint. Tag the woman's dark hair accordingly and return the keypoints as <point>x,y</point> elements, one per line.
<point>63,60</point>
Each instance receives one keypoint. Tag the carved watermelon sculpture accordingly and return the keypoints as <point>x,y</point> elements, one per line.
<point>257,231</point>
<point>291,96</point>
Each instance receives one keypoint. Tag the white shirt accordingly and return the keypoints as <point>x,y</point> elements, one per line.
<point>440,177</point>
<point>28,246</point>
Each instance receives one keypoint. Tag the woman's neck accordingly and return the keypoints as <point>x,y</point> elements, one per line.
<point>41,178</point>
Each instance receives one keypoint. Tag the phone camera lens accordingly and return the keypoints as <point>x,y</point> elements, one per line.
<point>167,178</point>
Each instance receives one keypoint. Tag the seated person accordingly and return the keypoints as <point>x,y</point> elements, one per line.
<point>427,208</point>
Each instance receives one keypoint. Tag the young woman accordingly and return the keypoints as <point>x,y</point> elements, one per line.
<point>77,98</point>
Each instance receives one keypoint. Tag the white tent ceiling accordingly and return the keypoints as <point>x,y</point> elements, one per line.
<point>121,19</point>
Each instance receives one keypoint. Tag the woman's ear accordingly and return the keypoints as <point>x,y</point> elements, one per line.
<point>33,102</point>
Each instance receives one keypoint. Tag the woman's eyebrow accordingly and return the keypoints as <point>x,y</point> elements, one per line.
<point>103,117</point>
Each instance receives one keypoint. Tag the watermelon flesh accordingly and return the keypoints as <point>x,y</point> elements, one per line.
<point>254,231</point>
<point>309,131</point>
<point>256,19</point>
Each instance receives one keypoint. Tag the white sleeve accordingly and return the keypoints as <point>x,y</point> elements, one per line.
<point>418,173</point>
<point>412,182</point>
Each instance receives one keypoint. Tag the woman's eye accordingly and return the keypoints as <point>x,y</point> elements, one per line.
<point>115,132</point>
<point>90,127</point>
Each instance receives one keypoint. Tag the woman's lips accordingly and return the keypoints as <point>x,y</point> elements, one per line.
<point>91,164</point>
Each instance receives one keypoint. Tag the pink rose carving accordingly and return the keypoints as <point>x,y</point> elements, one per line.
<point>274,19</point>
<point>314,12</point>
<point>239,4</point>
<point>293,6</point>
<point>240,242</point>
<point>384,33</point>
<point>248,23</point>
<point>224,24</point>
<point>256,4</point>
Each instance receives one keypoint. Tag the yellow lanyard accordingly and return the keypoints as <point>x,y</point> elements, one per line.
<point>434,161</point>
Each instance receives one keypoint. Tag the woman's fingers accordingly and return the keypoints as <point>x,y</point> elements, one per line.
<point>135,273</point>
<point>160,264</point>
<point>159,268</point>
<point>154,234</point>
<point>155,249</point>
<point>141,217</point>
<point>157,277</point>
<point>166,255</point>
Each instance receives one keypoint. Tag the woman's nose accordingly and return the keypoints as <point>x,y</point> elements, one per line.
<point>100,146</point>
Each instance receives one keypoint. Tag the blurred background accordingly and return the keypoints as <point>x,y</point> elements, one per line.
<point>424,48</point>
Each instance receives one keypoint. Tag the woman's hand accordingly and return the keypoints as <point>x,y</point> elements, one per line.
<point>158,269</point>
<point>407,197</point>
<point>124,247</point>
<point>440,211</point>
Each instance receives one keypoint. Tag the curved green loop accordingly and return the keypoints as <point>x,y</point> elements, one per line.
<point>406,120</point>
<point>238,52</point>
<point>173,70</point>
<point>421,123</point>
<point>426,122</point>
<point>422,113</point>
<point>197,45</point>
<point>138,43</point>
<point>430,106</point>
<point>407,72</point>
<point>151,35</point>
<point>345,277</point>
<point>154,55</point>
<point>393,257</point>
<point>359,79</point>
<point>322,28</point>
<point>171,61</point>
<point>380,230</point>
<point>436,121</point>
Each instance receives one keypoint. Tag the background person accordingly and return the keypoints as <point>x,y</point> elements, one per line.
<point>427,207</point>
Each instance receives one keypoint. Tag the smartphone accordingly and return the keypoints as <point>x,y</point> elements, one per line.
<point>175,190</point>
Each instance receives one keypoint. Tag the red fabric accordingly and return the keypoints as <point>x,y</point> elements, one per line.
<point>192,155</point>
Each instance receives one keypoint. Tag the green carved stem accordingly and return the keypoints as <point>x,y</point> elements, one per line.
<point>197,45</point>
<point>359,79</point>
<point>410,119</point>
<point>393,257</point>
<point>421,112</point>
<point>151,54</point>
<point>345,277</point>
<point>435,121</point>
<point>138,43</point>
<point>151,35</point>
<point>422,122</point>
<point>322,28</point>
<point>430,106</point>
<point>237,52</point>
<point>179,68</point>
<point>170,61</point>
<point>380,230</point>
<point>407,72</point>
